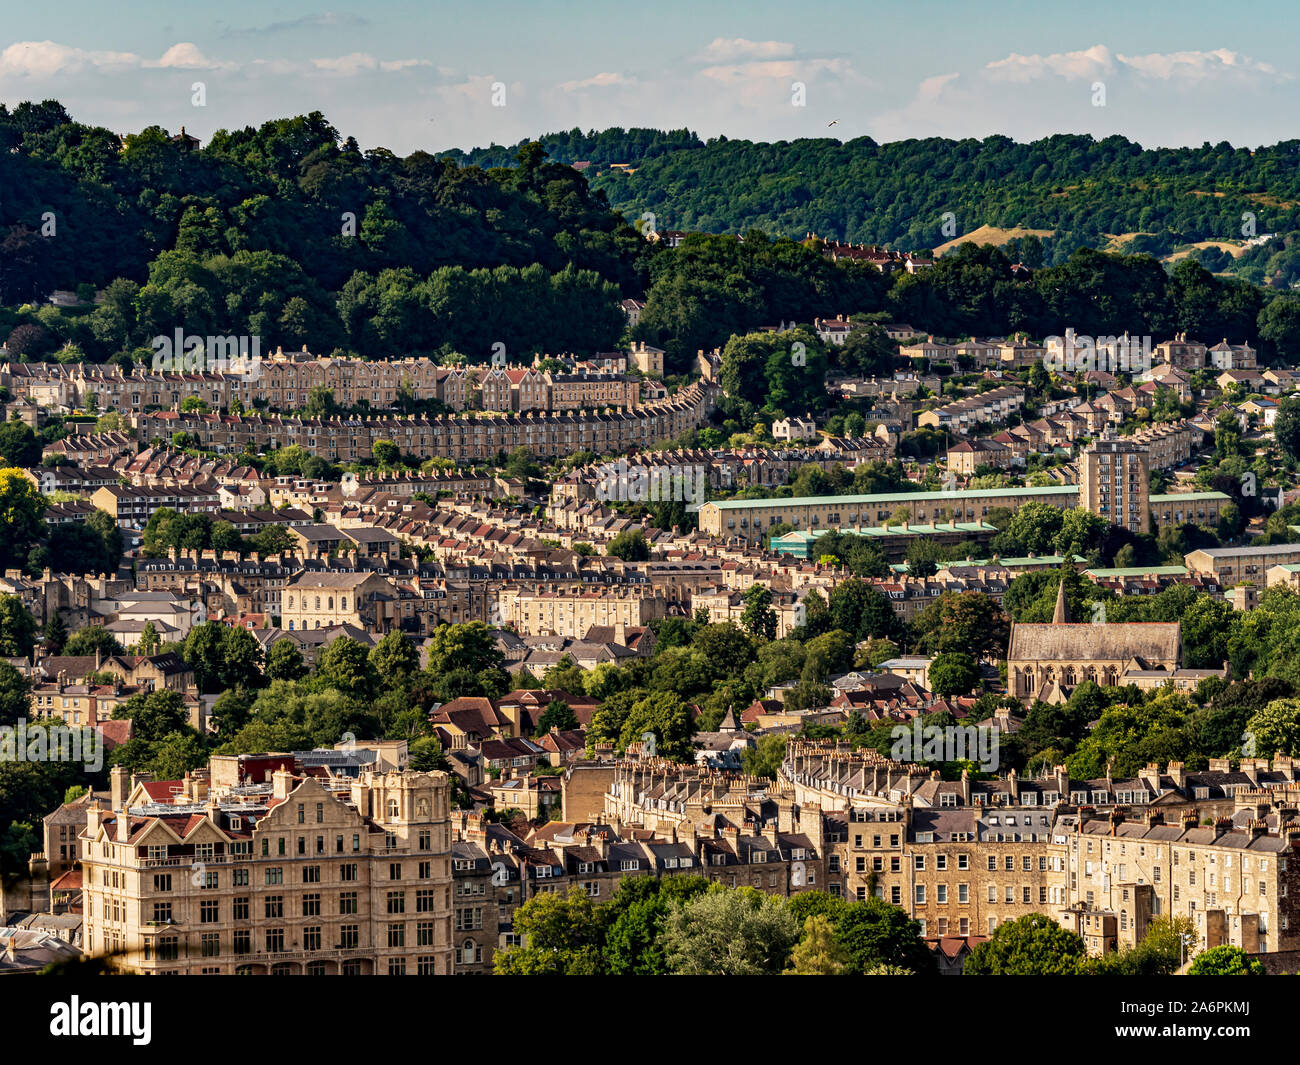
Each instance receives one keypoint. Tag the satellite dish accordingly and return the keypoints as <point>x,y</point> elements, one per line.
<point>348,484</point>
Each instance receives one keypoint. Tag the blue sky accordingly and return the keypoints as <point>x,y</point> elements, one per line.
<point>432,75</point>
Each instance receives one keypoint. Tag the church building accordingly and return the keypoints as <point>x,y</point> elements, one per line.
<point>1048,661</point>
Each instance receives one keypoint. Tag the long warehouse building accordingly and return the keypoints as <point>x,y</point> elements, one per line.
<point>752,518</point>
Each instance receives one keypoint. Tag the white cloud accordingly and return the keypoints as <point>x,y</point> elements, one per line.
<point>1090,63</point>
<point>604,80</point>
<point>360,62</point>
<point>1198,65</point>
<point>1099,61</point>
<point>44,59</point>
<point>187,56</point>
<point>724,49</point>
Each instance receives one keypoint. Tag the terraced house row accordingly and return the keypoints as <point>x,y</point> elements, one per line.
<point>347,439</point>
<point>283,383</point>
<point>1102,857</point>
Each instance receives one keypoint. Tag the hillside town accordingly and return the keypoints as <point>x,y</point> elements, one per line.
<point>569,532</point>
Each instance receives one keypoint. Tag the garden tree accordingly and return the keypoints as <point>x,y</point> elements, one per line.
<point>603,681</point>
<point>22,509</point>
<point>737,932</point>
<point>563,935</point>
<point>557,715</point>
<point>629,545</point>
<point>285,662</point>
<point>326,713</point>
<point>873,932</point>
<point>664,715</point>
<point>150,641</point>
<point>566,676</point>
<point>1225,961</point>
<point>1081,533</point>
<point>873,652</point>
<point>1220,726</point>
<point>231,711</point>
<point>154,715</point>
<point>395,659</point>
<point>56,634</point>
<point>526,681</point>
<point>777,662</point>
<point>15,692</point>
<point>859,609</point>
<point>1033,945</point>
<point>826,655</point>
<point>92,546</point>
<point>320,402</point>
<point>241,658</point>
<point>1033,527</point>
<point>858,554</point>
<point>26,789</point>
<point>818,953</point>
<point>1275,729</point>
<point>225,537</point>
<point>953,673</point>
<point>634,919</point>
<point>346,666</point>
<point>92,640</point>
<point>673,632</point>
<point>807,694</point>
<point>222,656</point>
<point>17,628</point>
<point>922,556</point>
<point>1132,734</point>
<point>260,735</point>
<point>758,616</point>
<point>426,755</point>
<point>386,453</point>
<point>1160,953</point>
<point>19,446</point>
<point>470,646</point>
<point>969,623</point>
<point>765,758</point>
<point>725,647</point>
<point>272,540</point>
<point>175,755</point>
<point>1286,427</point>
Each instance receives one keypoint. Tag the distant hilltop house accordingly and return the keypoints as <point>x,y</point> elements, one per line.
<point>794,429</point>
<point>884,260</point>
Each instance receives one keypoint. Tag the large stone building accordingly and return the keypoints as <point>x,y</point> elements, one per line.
<point>1047,661</point>
<point>571,612</point>
<point>295,875</point>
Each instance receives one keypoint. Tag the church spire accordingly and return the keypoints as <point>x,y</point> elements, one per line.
<point>1062,614</point>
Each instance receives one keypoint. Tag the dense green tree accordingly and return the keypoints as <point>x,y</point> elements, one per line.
<point>93,639</point>
<point>284,661</point>
<point>953,673</point>
<point>740,932</point>
<point>1033,945</point>
<point>1225,961</point>
<point>17,628</point>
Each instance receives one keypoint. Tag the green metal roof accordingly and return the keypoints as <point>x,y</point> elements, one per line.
<point>961,495</point>
<point>1175,497</point>
<point>1138,571</point>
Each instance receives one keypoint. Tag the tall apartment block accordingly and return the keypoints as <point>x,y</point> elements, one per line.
<point>1113,482</point>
